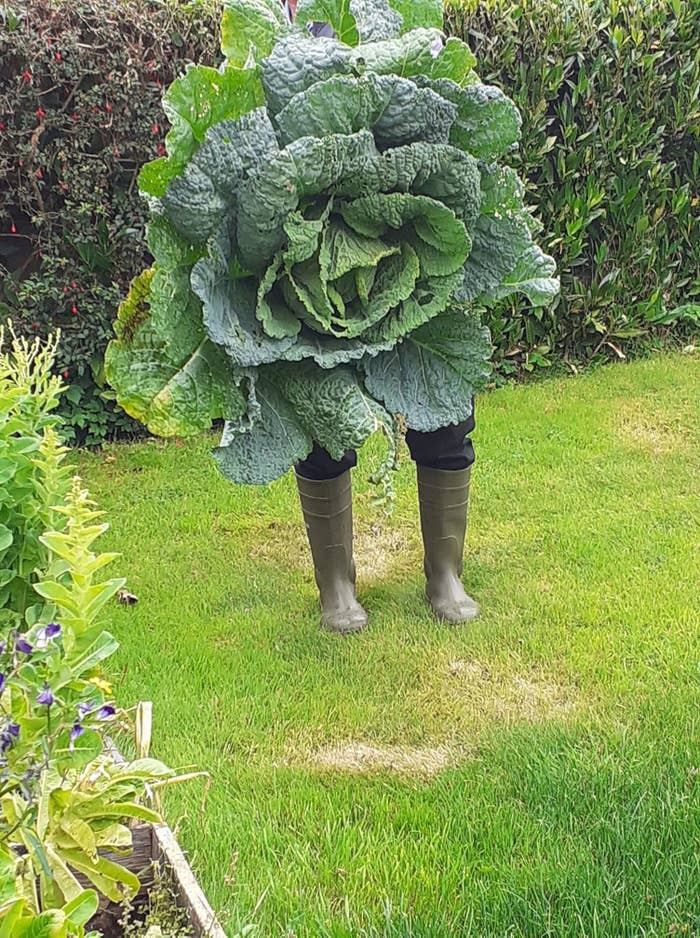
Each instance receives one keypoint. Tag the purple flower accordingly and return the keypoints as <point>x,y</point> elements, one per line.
<point>8,736</point>
<point>45,696</point>
<point>2,683</point>
<point>76,731</point>
<point>45,635</point>
<point>106,712</point>
<point>84,707</point>
<point>21,644</point>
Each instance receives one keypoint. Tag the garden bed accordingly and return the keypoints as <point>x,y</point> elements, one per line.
<point>158,858</point>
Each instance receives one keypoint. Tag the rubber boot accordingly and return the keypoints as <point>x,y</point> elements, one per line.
<point>444,500</point>
<point>327,510</point>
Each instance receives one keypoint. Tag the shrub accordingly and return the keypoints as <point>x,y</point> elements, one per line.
<point>80,112</point>
<point>610,96</point>
<point>62,796</point>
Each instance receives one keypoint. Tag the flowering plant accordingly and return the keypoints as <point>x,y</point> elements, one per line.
<point>63,798</point>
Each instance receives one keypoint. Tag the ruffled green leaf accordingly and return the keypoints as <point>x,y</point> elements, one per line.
<point>202,97</point>
<point>173,395</point>
<point>297,405</point>
<point>533,276</point>
<point>375,19</point>
<point>487,123</point>
<point>263,452</point>
<point>395,109</point>
<point>432,375</point>
<point>207,192</point>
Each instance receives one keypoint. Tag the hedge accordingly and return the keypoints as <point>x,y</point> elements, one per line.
<point>610,96</point>
<point>609,91</point>
<point>80,111</point>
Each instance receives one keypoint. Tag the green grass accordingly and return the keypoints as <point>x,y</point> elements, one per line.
<point>568,712</point>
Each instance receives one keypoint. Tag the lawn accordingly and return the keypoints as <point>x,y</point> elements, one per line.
<point>534,774</point>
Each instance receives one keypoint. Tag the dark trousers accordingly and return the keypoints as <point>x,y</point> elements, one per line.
<point>448,448</point>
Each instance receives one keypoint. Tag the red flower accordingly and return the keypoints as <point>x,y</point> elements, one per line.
<point>74,309</point>
<point>40,113</point>
<point>27,75</point>
<point>2,126</point>
<point>58,56</point>
<point>155,129</point>
<point>108,107</point>
<point>161,149</point>
<point>74,116</point>
<point>39,174</point>
<point>13,229</point>
<point>66,373</point>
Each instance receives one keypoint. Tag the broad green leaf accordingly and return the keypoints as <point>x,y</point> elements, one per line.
<point>202,97</point>
<point>498,241</point>
<point>78,753</point>
<point>292,399</point>
<point>265,451</point>
<point>250,28</point>
<point>395,109</point>
<point>103,647</point>
<point>103,809</point>
<point>82,908</point>
<point>6,537</point>
<point>65,879</point>
<point>9,923</point>
<point>111,879</point>
<point>533,276</point>
<point>177,397</point>
<point>198,201</point>
<point>346,425</point>
<point>421,54</point>
<point>297,62</point>
<point>487,123</point>
<point>433,374</point>
<point>375,19</point>
<point>81,833</point>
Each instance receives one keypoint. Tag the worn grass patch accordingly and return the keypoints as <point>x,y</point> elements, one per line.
<point>535,774</point>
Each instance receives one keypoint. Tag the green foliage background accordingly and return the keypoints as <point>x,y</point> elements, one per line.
<point>609,93</point>
<point>80,112</point>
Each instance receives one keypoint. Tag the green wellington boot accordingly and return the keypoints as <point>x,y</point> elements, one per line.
<point>327,510</point>
<point>444,500</point>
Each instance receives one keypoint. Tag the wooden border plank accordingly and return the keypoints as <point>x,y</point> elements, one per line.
<point>201,914</point>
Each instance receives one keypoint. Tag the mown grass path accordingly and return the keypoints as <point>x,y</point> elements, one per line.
<point>537,773</point>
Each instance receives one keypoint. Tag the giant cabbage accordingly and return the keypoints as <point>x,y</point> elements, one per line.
<point>329,219</point>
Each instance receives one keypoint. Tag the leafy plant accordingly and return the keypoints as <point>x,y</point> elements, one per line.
<point>327,222</point>
<point>80,111</point>
<point>64,800</point>
<point>33,473</point>
<point>610,98</point>
<point>20,921</point>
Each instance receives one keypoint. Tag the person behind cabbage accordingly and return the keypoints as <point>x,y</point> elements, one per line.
<point>443,461</point>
